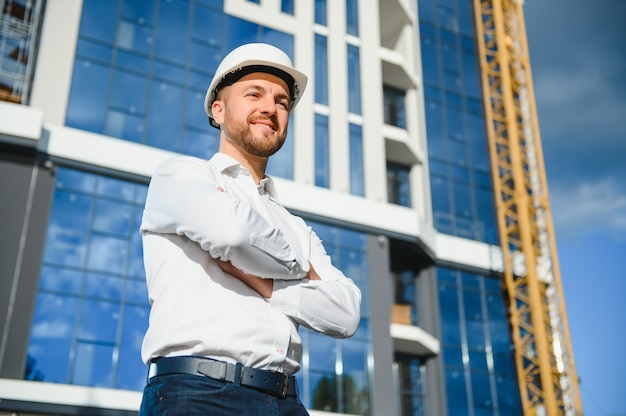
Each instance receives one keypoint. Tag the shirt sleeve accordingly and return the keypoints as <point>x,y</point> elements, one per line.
<point>183,198</point>
<point>330,306</point>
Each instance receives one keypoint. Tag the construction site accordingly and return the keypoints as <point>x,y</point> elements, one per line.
<point>415,155</point>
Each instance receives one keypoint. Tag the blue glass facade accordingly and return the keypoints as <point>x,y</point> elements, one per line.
<point>92,305</point>
<point>460,177</point>
<point>479,369</point>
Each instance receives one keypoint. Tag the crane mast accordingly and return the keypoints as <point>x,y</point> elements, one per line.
<point>543,349</point>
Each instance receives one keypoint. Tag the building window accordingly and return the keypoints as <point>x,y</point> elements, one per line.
<point>18,48</point>
<point>398,184</point>
<point>320,12</point>
<point>404,310</point>
<point>287,6</point>
<point>406,262</point>
<point>394,108</point>
<point>352,17</point>
<point>336,378</point>
<point>321,69</point>
<point>92,303</point>
<point>461,190</point>
<point>410,376</point>
<point>281,163</point>
<point>357,169</point>
<point>322,152</point>
<point>476,343</point>
<point>354,80</point>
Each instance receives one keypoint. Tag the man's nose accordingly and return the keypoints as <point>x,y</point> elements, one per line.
<point>268,105</point>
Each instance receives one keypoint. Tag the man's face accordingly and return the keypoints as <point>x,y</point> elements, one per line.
<point>256,113</point>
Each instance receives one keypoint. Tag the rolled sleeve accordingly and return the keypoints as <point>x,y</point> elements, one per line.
<point>331,306</point>
<point>328,307</point>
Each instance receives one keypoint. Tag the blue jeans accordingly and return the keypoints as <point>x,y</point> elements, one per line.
<point>185,395</point>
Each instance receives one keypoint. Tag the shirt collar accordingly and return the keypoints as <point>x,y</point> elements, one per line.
<point>226,163</point>
<point>223,162</point>
<point>267,184</point>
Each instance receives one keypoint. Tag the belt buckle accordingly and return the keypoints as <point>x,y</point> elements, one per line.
<point>283,391</point>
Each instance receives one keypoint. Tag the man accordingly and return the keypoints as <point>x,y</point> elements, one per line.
<point>231,274</point>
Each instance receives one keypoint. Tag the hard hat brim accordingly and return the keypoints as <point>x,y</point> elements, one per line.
<point>299,80</point>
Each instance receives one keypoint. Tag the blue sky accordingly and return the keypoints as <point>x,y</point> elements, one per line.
<point>578,59</point>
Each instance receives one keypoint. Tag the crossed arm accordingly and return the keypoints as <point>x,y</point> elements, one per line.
<point>263,287</point>
<point>185,198</point>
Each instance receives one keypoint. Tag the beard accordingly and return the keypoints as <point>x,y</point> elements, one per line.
<point>239,134</point>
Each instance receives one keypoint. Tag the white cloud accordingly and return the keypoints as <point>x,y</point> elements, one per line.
<point>599,205</point>
<point>51,329</point>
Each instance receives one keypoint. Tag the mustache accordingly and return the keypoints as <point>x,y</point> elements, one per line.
<point>271,119</point>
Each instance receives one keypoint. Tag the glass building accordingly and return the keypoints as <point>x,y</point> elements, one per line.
<point>386,159</point>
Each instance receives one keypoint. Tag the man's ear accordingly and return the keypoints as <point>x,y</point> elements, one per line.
<point>217,109</point>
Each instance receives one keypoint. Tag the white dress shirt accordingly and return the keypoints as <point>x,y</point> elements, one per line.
<point>198,309</point>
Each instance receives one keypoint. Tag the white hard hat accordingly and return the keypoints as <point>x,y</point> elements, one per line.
<point>254,57</point>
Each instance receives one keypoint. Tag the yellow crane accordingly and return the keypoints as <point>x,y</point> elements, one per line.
<point>543,349</point>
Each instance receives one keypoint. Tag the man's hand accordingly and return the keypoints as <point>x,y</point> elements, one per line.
<point>312,275</point>
<point>263,287</point>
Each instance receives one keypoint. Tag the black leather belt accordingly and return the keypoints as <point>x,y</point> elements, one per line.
<point>271,382</point>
